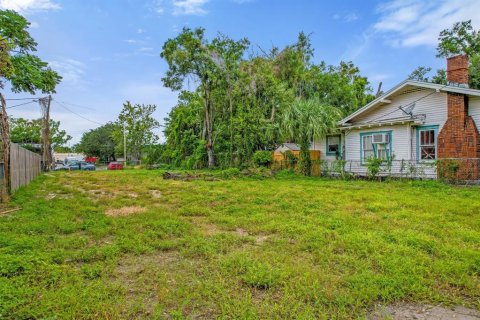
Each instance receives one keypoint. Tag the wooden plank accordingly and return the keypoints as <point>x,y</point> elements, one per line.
<point>25,166</point>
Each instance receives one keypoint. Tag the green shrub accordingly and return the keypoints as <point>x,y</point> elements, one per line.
<point>262,158</point>
<point>448,169</point>
<point>290,158</point>
<point>373,167</point>
<point>286,173</point>
<point>229,173</point>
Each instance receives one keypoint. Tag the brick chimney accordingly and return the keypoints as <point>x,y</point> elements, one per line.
<point>457,71</point>
<point>459,137</point>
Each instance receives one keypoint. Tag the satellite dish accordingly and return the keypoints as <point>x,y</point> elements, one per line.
<point>408,110</point>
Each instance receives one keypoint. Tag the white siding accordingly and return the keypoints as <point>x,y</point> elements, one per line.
<point>474,110</point>
<point>400,142</point>
<point>431,104</point>
<point>321,145</point>
<point>428,102</point>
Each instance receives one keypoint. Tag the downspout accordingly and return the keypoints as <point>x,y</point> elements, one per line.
<point>410,140</point>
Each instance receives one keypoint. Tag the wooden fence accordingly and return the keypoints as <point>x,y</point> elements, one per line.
<point>24,166</point>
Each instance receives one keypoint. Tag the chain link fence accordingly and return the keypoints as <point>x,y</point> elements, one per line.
<point>461,171</point>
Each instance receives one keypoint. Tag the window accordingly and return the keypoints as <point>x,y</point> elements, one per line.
<point>376,145</point>
<point>427,143</point>
<point>333,145</point>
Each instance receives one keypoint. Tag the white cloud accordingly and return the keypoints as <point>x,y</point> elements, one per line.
<point>156,6</point>
<point>409,23</point>
<point>71,70</point>
<point>189,7</point>
<point>24,6</point>
<point>349,17</point>
<point>140,30</point>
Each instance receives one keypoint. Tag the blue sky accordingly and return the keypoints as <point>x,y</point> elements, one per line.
<point>108,51</point>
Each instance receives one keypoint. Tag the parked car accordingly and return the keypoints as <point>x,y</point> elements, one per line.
<point>115,166</point>
<point>60,167</point>
<point>76,165</point>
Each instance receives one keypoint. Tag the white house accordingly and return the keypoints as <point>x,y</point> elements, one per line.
<point>414,123</point>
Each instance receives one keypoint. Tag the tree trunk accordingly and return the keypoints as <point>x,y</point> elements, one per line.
<point>305,161</point>
<point>4,150</point>
<point>209,130</point>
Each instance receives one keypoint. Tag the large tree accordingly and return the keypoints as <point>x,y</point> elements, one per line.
<point>247,96</point>
<point>25,71</point>
<point>190,54</point>
<point>138,122</point>
<point>99,143</point>
<point>29,132</point>
<point>306,120</point>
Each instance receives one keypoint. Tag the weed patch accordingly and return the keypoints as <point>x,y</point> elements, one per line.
<point>230,244</point>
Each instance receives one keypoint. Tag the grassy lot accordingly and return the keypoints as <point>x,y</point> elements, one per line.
<point>132,245</point>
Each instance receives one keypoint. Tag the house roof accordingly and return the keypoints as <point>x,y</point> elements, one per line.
<point>413,83</point>
<point>382,123</point>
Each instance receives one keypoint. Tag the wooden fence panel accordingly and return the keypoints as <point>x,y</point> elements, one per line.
<point>24,166</point>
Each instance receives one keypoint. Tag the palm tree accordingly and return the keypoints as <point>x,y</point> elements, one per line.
<point>304,121</point>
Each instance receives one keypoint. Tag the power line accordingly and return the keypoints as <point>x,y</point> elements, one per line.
<point>17,99</point>
<point>408,104</point>
<point>22,104</point>
<point>77,105</point>
<point>77,114</point>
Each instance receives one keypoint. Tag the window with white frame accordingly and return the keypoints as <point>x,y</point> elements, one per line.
<point>333,145</point>
<point>427,144</point>
<point>376,145</point>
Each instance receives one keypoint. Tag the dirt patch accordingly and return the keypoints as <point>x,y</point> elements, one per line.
<point>53,195</point>
<point>207,228</point>
<point>125,211</point>
<point>261,239</point>
<point>241,232</point>
<point>423,312</point>
<point>129,267</point>
<point>139,275</point>
<point>156,194</point>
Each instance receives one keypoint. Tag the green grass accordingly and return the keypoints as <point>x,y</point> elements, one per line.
<point>287,247</point>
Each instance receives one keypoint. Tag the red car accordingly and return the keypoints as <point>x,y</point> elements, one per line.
<point>115,166</point>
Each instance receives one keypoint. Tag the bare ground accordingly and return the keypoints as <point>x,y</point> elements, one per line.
<point>404,311</point>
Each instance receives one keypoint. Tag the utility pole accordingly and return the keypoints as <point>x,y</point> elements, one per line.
<point>4,151</point>
<point>124,144</point>
<point>46,152</point>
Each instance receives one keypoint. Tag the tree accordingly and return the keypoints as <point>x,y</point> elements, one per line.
<point>139,124</point>
<point>247,96</point>
<point>29,132</point>
<point>440,77</point>
<point>25,71</point>
<point>99,143</point>
<point>420,74</point>
<point>191,55</point>
<point>462,39</point>
<point>306,120</point>
<point>183,129</point>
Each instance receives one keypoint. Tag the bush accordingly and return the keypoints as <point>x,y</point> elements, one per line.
<point>262,158</point>
<point>373,167</point>
<point>230,173</point>
<point>448,169</point>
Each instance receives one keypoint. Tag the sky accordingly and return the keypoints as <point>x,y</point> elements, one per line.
<point>108,51</point>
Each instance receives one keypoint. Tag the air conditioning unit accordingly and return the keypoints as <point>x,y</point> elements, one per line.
<point>380,138</point>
